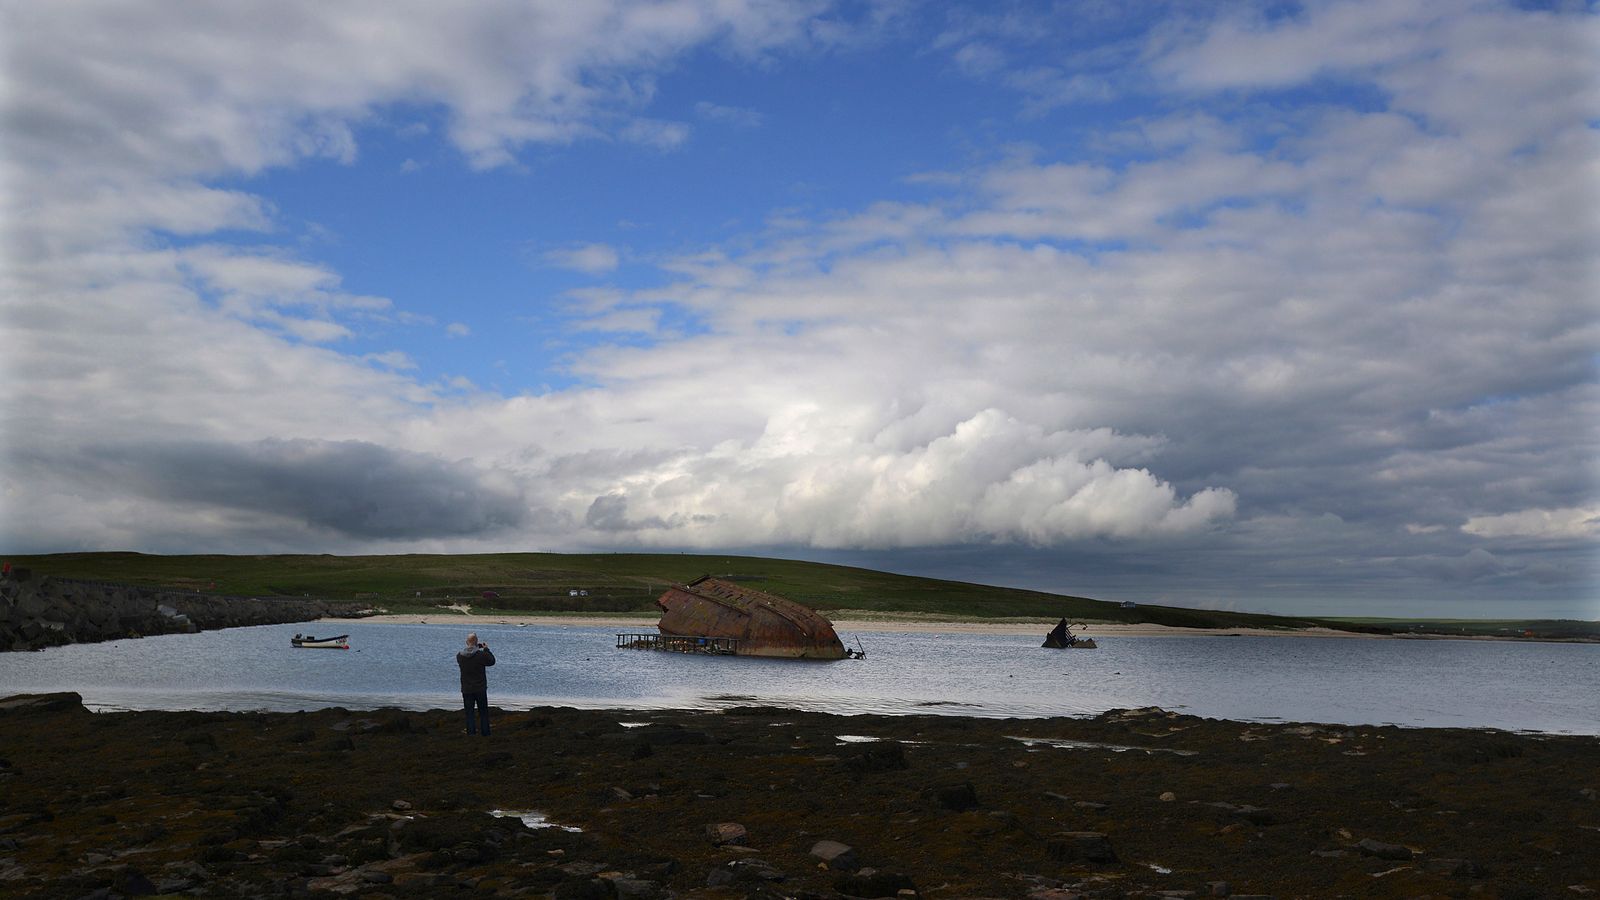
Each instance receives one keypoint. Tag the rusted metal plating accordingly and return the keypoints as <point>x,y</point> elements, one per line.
<point>761,623</point>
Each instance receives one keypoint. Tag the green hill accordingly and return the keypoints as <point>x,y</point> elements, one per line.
<point>603,582</point>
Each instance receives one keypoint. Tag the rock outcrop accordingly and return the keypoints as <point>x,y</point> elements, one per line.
<point>399,803</point>
<point>46,612</point>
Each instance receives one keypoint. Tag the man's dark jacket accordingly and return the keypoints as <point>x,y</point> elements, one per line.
<point>473,660</point>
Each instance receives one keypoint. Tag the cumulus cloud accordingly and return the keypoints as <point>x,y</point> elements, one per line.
<point>1571,523</point>
<point>728,115</point>
<point>350,488</point>
<point>1282,345</point>
<point>991,478</point>
<point>592,259</point>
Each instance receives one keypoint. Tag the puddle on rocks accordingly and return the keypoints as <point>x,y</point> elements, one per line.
<point>855,739</point>
<point>1065,744</point>
<point>532,819</point>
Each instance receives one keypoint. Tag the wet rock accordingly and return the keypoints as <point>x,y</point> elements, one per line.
<point>1455,867</point>
<point>400,805</point>
<point>636,888</point>
<point>585,889</point>
<point>836,855</point>
<point>879,756</point>
<point>427,884</point>
<point>873,883</point>
<point>954,797</point>
<point>1256,815</point>
<point>136,766</point>
<point>1081,846</point>
<point>1219,888</point>
<point>49,612</point>
<point>1371,847</point>
<point>1167,797</point>
<point>744,871</point>
<point>133,883</point>
<point>663,734</point>
<point>721,833</point>
<point>23,704</point>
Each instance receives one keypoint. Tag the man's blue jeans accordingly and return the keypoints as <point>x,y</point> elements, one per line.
<point>479,699</point>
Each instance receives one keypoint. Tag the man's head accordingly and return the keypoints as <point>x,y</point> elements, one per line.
<point>472,639</point>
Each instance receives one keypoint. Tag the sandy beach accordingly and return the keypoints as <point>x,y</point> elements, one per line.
<point>844,624</point>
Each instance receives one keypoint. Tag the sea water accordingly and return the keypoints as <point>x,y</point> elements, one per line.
<point>1519,686</point>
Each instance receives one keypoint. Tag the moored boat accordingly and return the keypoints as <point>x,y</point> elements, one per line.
<point>330,643</point>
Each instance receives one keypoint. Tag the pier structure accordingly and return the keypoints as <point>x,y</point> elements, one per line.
<point>680,643</point>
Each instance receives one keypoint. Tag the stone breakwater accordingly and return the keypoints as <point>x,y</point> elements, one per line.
<point>762,802</point>
<point>48,612</point>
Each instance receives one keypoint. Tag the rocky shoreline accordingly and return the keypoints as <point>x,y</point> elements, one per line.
<point>50,612</point>
<point>768,802</point>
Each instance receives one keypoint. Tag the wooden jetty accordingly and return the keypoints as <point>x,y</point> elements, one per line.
<point>680,643</point>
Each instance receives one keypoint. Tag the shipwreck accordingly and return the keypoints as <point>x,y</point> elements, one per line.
<point>1062,638</point>
<point>709,615</point>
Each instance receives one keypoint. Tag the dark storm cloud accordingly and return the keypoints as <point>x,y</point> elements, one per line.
<point>354,488</point>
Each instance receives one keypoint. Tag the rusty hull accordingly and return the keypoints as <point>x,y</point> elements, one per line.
<point>763,624</point>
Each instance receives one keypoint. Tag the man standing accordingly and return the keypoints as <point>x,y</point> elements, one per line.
<point>473,659</point>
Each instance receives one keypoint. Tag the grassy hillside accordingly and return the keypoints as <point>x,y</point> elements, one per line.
<point>1543,629</point>
<point>614,583</point>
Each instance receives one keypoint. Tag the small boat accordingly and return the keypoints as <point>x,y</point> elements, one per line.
<point>330,643</point>
<point>1062,638</point>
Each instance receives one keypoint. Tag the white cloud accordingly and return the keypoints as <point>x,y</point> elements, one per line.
<point>592,259</point>
<point>393,359</point>
<point>1570,523</point>
<point>728,115</point>
<point>1278,342</point>
<point>658,134</point>
<point>458,330</point>
<point>814,477</point>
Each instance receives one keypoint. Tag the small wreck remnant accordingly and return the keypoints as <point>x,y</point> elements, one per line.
<point>709,612</point>
<point>1062,638</point>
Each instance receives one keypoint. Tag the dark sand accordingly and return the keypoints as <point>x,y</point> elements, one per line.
<point>390,803</point>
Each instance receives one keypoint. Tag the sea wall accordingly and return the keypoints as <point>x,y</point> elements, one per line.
<point>48,612</point>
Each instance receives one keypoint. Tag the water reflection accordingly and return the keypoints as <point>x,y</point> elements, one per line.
<point>1538,687</point>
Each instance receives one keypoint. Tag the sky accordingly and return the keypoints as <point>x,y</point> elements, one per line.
<point>1278,307</point>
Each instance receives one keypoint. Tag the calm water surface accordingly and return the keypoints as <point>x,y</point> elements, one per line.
<point>1514,686</point>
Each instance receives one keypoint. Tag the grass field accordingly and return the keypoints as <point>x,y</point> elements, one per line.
<point>1549,629</point>
<point>606,583</point>
<point>628,583</point>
